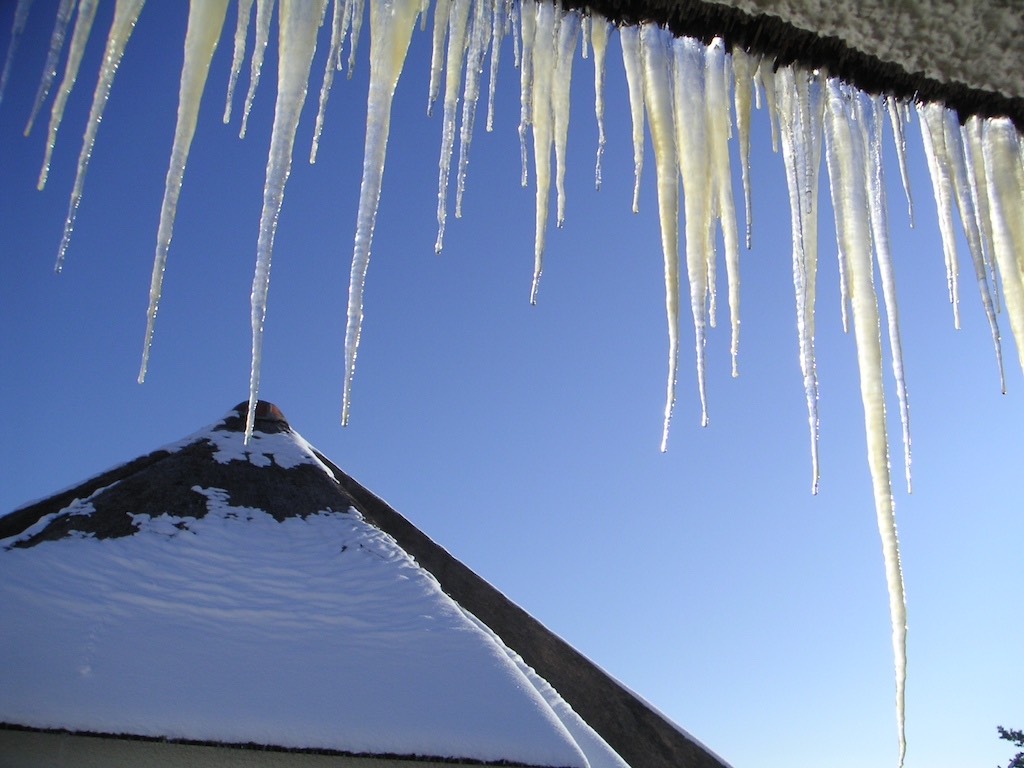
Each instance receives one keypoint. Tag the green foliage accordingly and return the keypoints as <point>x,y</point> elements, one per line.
<point>1017,738</point>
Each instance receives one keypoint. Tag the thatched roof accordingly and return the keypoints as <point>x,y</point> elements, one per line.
<point>969,56</point>
<point>165,481</point>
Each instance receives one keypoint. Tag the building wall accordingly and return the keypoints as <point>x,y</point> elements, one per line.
<point>32,749</point>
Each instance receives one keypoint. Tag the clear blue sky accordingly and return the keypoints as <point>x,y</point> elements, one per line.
<point>525,439</point>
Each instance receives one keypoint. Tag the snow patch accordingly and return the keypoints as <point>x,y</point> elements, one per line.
<point>311,633</point>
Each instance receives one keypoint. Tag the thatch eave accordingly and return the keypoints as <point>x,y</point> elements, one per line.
<point>903,73</point>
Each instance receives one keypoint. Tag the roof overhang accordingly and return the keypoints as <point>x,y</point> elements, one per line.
<point>969,56</point>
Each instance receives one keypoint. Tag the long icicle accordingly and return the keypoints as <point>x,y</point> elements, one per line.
<point>900,140</point>
<point>568,33</point>
<point>264,13</point>
<point>629,38</point>
<point>391,25</point>
<point>1005,186</point>
<point>499,19</point>
<point>934,137</point>
<point>743,85</point>
<point>721,175</point>
<point>298,26</point>
<point>964,181</point>
<point>692,145</point>
<point>480,39</point>
<point>205,22</point>
<point>599,29</point>
<point>330,67</point>
<point>442,10</point>
<point>126,12</point>
<point>879,218</point>
<point>975,158</point>
<point>543,130</point>
<point>654,43</point>
<point>800,129</point>
<point>528,24</point>
<point>358,12</point>
<point>844,280</point>
<point>975,155</point>
<point>458,24</point>
<point>20,19</point>
<point>60,28</point>
<point>79,37</point>
<point>766,75</point>
<point>237,53</point>
<point>844,145</point>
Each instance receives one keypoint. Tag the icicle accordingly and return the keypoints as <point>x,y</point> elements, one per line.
<point>585,35</point>
<point>692,144</point>
<point>514,14</point>
<point>346,23</point>
<point>658,100</point>
<point>60,27</point>
<point>442,9</point>
<point>126,12</point>
<point>238,53</point>
<point>975,159</point>
<point>528,16</point>
<point>205,22</point>
<point>742,68</point>
<point>337,37</point>
<point>847,152</point>
<point>844,283</point>
<point>766,74</point>
<point>599,29</point>
<point>264,12</point>
<point>800,126</point>
<point>1005,186</point>
<point>391,25</point>
<point>479,40</point>
<point>457,43</point>
<point>900,139</point>
<point>298,25</point>
<point>543,65</point>
<point>358,12</point>
<point>568,31</point>
<point>629,37</point>
<point>933,134</point>
<point>717,95</point>
<point>79,37</point>
<point>498,20</point>
<point>964,187</point>
<point>880,237</point>
<point>711,61</point>
<point>20,18</point>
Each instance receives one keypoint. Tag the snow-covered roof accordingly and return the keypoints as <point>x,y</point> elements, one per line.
<point>235,594</point>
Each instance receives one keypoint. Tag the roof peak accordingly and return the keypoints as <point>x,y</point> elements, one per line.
<point>268,418</point>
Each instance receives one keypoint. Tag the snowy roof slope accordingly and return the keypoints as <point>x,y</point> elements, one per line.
<point>313,631</point>
<point>219,592</point>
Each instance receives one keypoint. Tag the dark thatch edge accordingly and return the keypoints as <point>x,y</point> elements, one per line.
<point>784,43</point>
<point>252,746</point>
<point>20,519</point>
<point>134,489</point>
<point>641,736</point>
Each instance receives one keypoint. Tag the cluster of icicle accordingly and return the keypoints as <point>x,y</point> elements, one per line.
<point>687,94</point>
